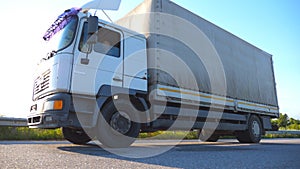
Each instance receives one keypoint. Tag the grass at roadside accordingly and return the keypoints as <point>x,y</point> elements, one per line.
<point>170,135</point>
<point>282,136</point>
<point>25,133</point>
<point>193,135</point>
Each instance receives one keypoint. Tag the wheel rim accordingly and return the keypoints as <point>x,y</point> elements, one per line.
<point>120,122</point>
<point>256,129</point>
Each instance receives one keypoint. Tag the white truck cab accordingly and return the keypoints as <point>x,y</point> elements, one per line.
<point>76,69</point>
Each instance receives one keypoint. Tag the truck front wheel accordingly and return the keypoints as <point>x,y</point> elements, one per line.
<point>117,125</point>
<point>76,136</point>
<point>253,133</point>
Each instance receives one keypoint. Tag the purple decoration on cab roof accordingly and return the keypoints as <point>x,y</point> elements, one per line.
<point>61,22</point>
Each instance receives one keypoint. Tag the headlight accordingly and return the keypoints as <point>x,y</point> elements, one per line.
<point>53,105</point>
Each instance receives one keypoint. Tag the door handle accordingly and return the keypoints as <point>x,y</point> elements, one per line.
<point>118,79</point>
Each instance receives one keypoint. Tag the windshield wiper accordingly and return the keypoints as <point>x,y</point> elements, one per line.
<point>49,55</point>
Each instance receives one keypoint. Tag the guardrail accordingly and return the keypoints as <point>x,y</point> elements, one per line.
<point>13,122</point>
<point>284,132</point>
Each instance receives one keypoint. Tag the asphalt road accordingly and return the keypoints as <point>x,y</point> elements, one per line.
<point>271,153</point>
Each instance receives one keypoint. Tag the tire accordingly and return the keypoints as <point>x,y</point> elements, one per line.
<point>203,137</point>
<point>118,127</point>
<point>75,136</point>
<point>253,133</point>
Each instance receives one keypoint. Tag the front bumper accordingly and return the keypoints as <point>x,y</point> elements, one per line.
<point>41,116</point>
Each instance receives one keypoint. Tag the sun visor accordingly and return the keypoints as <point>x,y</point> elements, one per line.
<point>102,4</point>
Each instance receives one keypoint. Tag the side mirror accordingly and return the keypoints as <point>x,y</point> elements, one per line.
<point>92,29</point>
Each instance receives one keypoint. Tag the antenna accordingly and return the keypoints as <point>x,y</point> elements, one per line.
<point>107,16</point>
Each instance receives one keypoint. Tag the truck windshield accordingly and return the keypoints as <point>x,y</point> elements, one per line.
<point>63,38</point>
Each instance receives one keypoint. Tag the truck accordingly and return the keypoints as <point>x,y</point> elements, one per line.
<point>160,67</point>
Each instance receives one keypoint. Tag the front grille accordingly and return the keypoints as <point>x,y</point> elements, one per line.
<point>42,82</point>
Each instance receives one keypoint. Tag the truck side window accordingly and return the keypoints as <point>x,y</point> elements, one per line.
<point>108,42</point>
<point>83,47</point>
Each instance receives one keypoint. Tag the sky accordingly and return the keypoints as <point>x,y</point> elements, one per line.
<point>273,26</point>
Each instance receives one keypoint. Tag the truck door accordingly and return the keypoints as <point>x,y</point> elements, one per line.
<point>98,64</point>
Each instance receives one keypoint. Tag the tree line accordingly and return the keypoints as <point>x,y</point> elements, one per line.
<point>284,122</point>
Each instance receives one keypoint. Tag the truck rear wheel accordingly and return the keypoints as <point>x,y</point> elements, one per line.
<point>116,127</point>
<point>253,133</point>
<point>76,136</point>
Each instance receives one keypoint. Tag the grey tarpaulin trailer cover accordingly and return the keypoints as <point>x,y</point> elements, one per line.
<point>248,69</point>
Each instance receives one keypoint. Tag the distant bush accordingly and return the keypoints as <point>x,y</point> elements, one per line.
<point>293,127</point>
